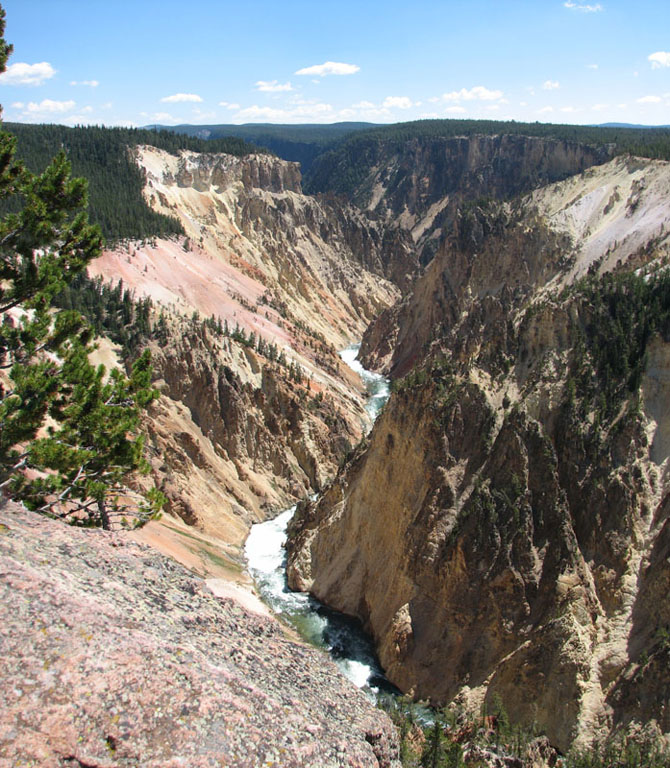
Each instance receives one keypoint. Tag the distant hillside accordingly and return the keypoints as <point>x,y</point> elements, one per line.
<point>298,143</point>
<point>115,181</point>
<point>346,165</point>
<point>633,125</point>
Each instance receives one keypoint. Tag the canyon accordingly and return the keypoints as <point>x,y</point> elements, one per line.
<point>502,532</point>
<point>234,437</point>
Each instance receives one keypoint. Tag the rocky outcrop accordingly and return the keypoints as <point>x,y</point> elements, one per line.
<point>202,172</point>
<point>419,184</point>
<point>307,252</point>
<point>609,217</point>
<point>234,436</point>
<point>498,253</point>
<point>504,532</point>
<point>113,655</point>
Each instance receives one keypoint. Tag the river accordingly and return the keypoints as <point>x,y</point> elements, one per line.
<point>340,635</point>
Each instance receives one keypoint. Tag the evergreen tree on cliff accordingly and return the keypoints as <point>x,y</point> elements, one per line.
<point>67,429</point>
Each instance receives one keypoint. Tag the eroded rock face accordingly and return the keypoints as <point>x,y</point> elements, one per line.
<point>612,215</point>
<point>420,184</point>
<point>504,533</point>
<point>116,656</point>
<point>251,212</point>
<point>232,437</point>
<point>201,172</point>
<point>233,440</point>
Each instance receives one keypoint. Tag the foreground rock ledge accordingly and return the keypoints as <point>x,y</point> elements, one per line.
<point>114,655</point>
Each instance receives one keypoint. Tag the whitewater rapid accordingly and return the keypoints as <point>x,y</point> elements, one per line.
<point>343,637</point>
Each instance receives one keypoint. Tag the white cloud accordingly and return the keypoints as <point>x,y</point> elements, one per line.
<point>162,117</point>
<point>313,111</point>
<point>583,8</point>
<point>18,105</point>
<point>659,59</point>
<point>455,110</point>
<point>545,109</point>
<point>592,66</point>
<point>569,109</point>
<point>373,113</point>
<point>83,118</point>
<point>599,107</point>
<point>329,68</point>
<point>229,105</point>
<point>649,100</point>
<point>550,85</point>
<point>89,83</point>
<point>27,74</point>
<point>179,97</point>
<point>48,106</point>
<point>273,86</point>
<point>476,93</point>
<point>316,111</point>
<point>397,102</point>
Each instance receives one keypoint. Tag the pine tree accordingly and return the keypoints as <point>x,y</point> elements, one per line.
<point>67,429</point>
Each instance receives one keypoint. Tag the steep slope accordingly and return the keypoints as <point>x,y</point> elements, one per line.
<point>238,435</point>
<point>234,436</point>
<point>504,532</point>
<point>418,184</point>
<point>613,214</point>
<point>258,252</point>
<point>114,655</point>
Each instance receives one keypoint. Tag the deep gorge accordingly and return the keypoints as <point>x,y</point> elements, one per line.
<point>501,532</point>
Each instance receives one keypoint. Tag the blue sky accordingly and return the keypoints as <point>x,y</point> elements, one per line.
<point>207,61</point>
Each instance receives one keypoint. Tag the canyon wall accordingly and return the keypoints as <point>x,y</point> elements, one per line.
<point>503,532</point>
<point>236,436</point>
<point>419,184</point>
<point>233,436</point>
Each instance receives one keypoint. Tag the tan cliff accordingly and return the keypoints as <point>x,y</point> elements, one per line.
<point>612,214</point>
<point>323,263</point>
<point>504,530</point>
<point>233,439</point>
